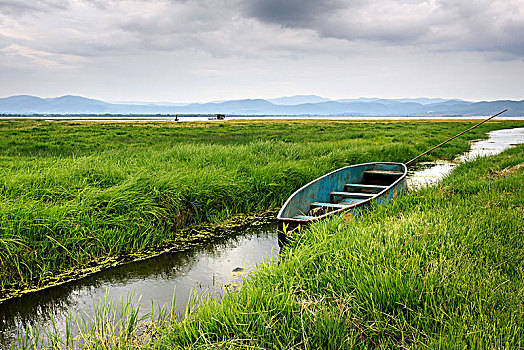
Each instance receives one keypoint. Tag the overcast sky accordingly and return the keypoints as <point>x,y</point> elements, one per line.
<point>197,50</point>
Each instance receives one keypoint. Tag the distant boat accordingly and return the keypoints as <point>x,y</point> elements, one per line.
<point>218,117</point>
<point>347,189</point>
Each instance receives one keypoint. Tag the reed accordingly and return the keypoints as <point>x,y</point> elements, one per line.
<point>441,267</point>
<point>72,193</point>
<point>110,325</point>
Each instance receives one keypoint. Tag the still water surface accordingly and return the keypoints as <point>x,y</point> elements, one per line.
<point>429,173</point>
<point>208,270</point>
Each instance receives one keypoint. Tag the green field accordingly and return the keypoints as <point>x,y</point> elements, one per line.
<point>74,193</point>
<point>442,267</point>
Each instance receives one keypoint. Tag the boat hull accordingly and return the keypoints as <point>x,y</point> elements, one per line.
<point>344,191</point>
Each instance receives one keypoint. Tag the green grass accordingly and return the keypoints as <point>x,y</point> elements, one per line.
<point>111,325</point>
<point>439,268</point>
<point>73,193</point>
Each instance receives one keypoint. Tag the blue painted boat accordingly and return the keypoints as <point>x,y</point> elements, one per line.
<point>346,190</point>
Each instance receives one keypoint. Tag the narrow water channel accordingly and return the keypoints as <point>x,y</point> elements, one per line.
<point>429,173</point>
<point>208,270</point>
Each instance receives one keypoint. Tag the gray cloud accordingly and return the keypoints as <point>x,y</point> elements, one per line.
<point>243,27</point>
<point>495,26</point>
<point>282,43</point>
<point>17,7</point>
<point>292,13</point>
<point>4,41</point>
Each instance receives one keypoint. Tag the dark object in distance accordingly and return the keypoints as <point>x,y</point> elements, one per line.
<point>218,117</point>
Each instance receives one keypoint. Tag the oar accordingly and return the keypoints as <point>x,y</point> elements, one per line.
<point>457,135</point>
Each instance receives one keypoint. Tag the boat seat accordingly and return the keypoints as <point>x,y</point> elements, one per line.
<point>383,172</point>
<point>351,201</point>
<point>353,194</point>
<point>381,177</point>
<point>363,187</point>
<point>328,205</point>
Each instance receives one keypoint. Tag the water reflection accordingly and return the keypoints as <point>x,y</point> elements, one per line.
<point>429,173</point>
<point>206,270</point>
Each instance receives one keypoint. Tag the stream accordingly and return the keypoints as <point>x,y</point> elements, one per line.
<point>209,270</point>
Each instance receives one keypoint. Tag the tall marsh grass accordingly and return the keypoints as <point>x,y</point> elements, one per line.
<point>74,193</point>
<point>442,267</point>
<point>111,325</point>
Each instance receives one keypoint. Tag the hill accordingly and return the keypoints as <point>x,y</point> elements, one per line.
<point>291,105</point>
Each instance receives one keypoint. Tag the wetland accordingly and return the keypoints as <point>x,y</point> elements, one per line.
<point>165,178</point>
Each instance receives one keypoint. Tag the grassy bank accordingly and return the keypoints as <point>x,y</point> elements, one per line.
<point>439,268</point>
<point>73,193</point>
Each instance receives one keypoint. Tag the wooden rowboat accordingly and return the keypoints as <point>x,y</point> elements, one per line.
<point>347,189</point>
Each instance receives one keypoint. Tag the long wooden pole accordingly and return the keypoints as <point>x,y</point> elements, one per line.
<point>457,135</point>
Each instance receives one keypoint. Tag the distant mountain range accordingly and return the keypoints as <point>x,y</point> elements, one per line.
<point>290,105</point>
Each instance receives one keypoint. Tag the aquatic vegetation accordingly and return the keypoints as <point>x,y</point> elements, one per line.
<point>74,195</point>
<point>112,325</point>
